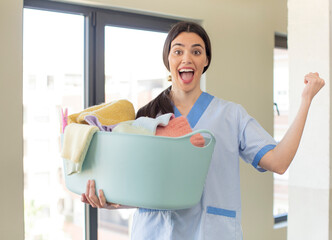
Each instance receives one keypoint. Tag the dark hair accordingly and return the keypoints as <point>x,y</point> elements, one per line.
<point>163,103</point>
<point>189,27</point>
<point>160,105</point>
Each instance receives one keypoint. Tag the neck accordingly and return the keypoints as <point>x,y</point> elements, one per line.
<point>184,101</point>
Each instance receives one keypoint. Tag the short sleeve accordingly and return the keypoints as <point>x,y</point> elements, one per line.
<point>254,141</point>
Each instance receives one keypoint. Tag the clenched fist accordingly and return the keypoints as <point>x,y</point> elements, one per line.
<point>313,84</point>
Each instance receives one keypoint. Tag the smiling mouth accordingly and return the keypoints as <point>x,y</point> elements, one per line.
<point>186,75</point>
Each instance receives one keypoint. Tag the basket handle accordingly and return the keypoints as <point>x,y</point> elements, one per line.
<point>201,131</point>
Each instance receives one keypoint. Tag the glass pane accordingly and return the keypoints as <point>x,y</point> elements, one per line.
<point>134,70</point>
<point>52,79</point>
<point>281,97</point>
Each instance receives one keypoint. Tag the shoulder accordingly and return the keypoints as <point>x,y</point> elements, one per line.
<point>229,111</point>
<point>227,105</point>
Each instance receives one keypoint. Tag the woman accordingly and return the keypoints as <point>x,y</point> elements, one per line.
<point>187,55</point>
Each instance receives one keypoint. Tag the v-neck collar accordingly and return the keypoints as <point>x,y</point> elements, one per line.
<point>197,109</point>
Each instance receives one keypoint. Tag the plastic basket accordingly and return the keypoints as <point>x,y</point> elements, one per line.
<point>145,171</point>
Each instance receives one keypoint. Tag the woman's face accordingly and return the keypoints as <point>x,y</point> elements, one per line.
<point>187,59</point>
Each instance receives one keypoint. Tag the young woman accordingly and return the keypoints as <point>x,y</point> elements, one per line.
<point>187,55</point>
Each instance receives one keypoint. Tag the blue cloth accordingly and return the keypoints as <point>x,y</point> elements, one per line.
<point>218,214</point>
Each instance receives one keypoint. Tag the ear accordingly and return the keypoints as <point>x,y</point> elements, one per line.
<point>206,62</point>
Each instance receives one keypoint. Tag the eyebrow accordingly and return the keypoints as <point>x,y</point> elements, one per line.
<point>181,45</point>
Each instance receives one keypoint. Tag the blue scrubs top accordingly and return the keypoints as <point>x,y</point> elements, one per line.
<point>218,214</point>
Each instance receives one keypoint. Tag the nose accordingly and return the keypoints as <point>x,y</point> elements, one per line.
<point>186,59</point>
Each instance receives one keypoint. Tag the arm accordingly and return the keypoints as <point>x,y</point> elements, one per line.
<point>90,197</point>
<point>279,159</point>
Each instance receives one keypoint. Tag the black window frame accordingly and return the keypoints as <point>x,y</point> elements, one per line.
<point>280,41</point>
<point>94,58</point>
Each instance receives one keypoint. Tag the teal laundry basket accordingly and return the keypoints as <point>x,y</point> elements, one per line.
<point>146,171</point>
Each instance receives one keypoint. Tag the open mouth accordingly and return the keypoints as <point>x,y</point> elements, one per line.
<point>187,75</point>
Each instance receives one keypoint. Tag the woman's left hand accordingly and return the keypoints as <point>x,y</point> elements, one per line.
<point>278,159</point>
<point>313,84</point>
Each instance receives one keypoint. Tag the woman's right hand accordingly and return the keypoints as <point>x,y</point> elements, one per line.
<point>91,198</point>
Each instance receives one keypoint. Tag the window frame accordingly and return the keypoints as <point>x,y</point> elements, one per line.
<point>94,56</point>
<point>125,20</point>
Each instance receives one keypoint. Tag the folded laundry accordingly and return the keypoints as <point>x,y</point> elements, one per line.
<point>127,127</point>
<point>178,127</point>
<point>76,141</point>
<point>93,120</point>
<point>73,118</point>
<point>107,113</point>
<point>152,123</point>
<point>143,125</point>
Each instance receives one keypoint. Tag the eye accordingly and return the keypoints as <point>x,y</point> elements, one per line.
<point>197,52</point>
<point>177,52</point>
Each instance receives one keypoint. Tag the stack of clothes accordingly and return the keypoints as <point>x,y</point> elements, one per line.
<point>116,116</point>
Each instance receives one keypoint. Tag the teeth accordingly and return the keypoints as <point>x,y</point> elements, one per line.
<point>186,70</point>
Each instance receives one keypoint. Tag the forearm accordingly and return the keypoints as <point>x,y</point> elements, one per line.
<point>279,159</point>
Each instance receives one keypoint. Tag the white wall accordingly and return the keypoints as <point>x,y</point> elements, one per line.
<point>242,35</point>
<point>310,173</point>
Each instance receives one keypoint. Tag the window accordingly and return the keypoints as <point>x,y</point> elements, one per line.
<point>129,71</point>
<point>70,60</point>
<point>281,124</point>
<point>130,74</point>
<point>53,48</point>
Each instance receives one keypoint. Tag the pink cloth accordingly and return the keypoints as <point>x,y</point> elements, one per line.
<point>178,127</point>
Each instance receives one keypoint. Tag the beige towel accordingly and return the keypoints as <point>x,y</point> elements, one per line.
<point>75,145</point>
<point>107,113</point>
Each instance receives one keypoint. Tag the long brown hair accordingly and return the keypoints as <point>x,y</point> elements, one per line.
<point>163,103</point>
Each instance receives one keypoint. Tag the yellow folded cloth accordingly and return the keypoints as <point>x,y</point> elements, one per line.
<point>76,141</point>
<point>107,113</point>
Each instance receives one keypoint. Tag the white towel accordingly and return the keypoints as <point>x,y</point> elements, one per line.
<point>151,124</point>
<point>75,145</point>
<point>143,125</point>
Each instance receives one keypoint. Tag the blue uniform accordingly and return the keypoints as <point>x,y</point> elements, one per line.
<point>218,214</point>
